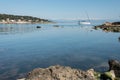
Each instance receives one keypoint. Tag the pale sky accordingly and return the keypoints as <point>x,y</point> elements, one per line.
<point>63,9</point>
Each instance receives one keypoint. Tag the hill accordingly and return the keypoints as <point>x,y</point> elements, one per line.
<point>8,18</point>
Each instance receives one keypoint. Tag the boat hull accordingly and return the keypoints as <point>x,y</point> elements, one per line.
<point>87,23</point>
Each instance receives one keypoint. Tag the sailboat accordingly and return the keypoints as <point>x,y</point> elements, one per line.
<point>85,22</point>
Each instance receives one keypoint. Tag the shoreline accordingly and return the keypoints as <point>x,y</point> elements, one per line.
<point>109,27</point>
<point>25,22</point>
<point>19,19</point>
<point>58,72</point>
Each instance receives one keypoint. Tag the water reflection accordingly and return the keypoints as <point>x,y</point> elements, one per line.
<point>16,28</point>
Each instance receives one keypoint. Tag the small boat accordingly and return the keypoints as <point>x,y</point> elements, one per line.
<point>84,22</point>
<point>38,26</point>
<point>56,26</point>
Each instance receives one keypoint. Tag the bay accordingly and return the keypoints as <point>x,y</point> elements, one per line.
<point>24,47</point>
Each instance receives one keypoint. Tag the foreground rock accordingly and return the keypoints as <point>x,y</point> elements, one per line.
<point>115,66</point>
<point>60,73</point>
<point>109,27</point>
<point>66,73</point>
<point>114,71</point>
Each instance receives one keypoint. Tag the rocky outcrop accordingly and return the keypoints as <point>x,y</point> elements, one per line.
<point>109,27</point>
<point>67,73</point>
<point>60,73</point>
<point>114,71</point>
<point>115,66</point>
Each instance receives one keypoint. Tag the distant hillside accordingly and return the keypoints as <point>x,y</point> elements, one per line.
<point>8,18</point>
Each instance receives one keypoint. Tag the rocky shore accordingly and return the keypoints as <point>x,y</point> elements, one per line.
<point>67,73</point>
<point>109,27</point>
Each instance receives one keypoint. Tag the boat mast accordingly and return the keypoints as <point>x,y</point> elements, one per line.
<point>87,16</point>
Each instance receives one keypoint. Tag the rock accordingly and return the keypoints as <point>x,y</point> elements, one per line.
<point>114,65</point>
<point>56,26</point>
<point>21,79</point>
<point>60,73</point>
<point>38,26</point>
<point>67,73</point>
<point>91,72</point>
<point>110,75</point>
<point>109,27</point>
<point>114,71</point>
<point>116,23</point>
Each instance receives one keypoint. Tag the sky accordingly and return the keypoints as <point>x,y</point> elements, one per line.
<point>62,9</point>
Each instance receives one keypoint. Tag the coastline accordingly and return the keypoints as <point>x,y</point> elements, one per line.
<point>58,72</point>
<point>109,27</point>
<point>19,19</point>
<point>24,22</point>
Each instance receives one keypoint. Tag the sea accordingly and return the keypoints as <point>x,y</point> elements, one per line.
<point>24,47</point>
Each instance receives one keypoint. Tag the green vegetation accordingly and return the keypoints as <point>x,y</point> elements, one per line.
<point>7,18</point>
<point>97,75</point>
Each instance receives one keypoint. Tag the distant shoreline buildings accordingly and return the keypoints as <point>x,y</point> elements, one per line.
<point>15,19</point>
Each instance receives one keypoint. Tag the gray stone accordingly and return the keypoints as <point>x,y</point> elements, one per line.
<point>60,73</point>
<point>114,65</point>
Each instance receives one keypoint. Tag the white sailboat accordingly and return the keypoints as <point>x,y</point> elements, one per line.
<point>84,22</point>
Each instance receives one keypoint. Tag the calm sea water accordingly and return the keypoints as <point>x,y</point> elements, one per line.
<point>24,47</point>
